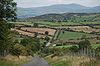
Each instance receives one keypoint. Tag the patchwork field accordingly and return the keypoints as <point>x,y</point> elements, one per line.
<point>79,28</point>
<point>30,32</point>
<point>39,30</point>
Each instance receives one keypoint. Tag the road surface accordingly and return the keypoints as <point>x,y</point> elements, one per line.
<point>36,61</point>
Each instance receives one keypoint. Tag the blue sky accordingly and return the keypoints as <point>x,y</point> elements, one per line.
<point>39,3</point>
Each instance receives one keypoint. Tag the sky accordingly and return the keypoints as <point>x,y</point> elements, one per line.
<point>40,3</point>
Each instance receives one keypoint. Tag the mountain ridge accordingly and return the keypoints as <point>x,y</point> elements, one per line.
<point>58,8</point>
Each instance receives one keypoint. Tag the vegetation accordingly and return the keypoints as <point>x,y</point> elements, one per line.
<point>84,44</point>
<point>7,12</point>
<point>8,63</point>
<point>68,17</point>
<point>35,25</point>
<point>82,39</point>
<point>72,35</point>
<point>95,46</point>
<point>60,63</point>
<point>30,44</point>
<point>5,63</point>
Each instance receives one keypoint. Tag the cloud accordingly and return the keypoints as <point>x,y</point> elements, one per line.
<point>38,3</point>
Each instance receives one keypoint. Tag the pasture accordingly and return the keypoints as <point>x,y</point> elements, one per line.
<point>73,35</point>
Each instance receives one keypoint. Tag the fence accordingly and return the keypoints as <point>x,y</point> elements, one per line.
<point>84,57</point>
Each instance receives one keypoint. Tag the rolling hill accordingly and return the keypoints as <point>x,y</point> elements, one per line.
<point>67,17</point>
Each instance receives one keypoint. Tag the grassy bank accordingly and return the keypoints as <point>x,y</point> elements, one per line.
<point>14,60</point>
<point>8,63</point>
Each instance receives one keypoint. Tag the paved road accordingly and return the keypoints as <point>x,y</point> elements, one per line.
<point>36,61</point>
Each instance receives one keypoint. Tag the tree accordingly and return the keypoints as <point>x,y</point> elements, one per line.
<point>19,50</point>
<point>84,44</point>
<point>83,37</point>
<point>35,25</point>
<point>35,34</point>
<point>5,39</point>
<point>26,41</point>
<point>46,33</point>
<point>34,44</point>
<point>63,31</point>
<point>16,41</point>
<point>7,13</point>
<point>74,48</point>
<point>47,38</point>
<point>98,52</point>
<point>7,10</point>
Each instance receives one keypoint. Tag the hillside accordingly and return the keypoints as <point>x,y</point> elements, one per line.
<point>68,17</point>
<point>59,8</point>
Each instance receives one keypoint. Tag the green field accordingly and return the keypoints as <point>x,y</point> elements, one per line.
<point>72,35</point>
<point>54,24</point>
<point>22,23</point>
<point>89,23</point>
<point>57,23</point>
<point>47,23</point>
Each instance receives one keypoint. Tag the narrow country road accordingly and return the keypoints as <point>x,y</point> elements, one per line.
<point>36,61</point>
<point>54,38</point>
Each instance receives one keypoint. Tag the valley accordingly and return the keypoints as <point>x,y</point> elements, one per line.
<point>52,35</point>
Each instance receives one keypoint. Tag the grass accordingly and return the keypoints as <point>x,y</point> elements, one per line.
<point>90,22</point>
<point>5,63</point>
<point>72,35</point>
<point>8,63</point>
<point>54,24</point>
<point>11,60</point>
<point>58,61</point>
<point>47,23</point>
<point>94,46</point>
<point>22,23</point>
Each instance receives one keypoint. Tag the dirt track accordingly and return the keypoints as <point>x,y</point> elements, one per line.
<point>36,61</point>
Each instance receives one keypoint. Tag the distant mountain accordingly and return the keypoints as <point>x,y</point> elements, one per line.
<point>59,8</point>
<point>25,12</point>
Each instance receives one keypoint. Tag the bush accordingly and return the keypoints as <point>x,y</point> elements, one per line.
<point>74,49</point>
<point>33,43</point>
<point>19,50</point>
<point>98,53</point>
<point>35,25</point>
<point>26,41</point>
<point>47,38</point>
